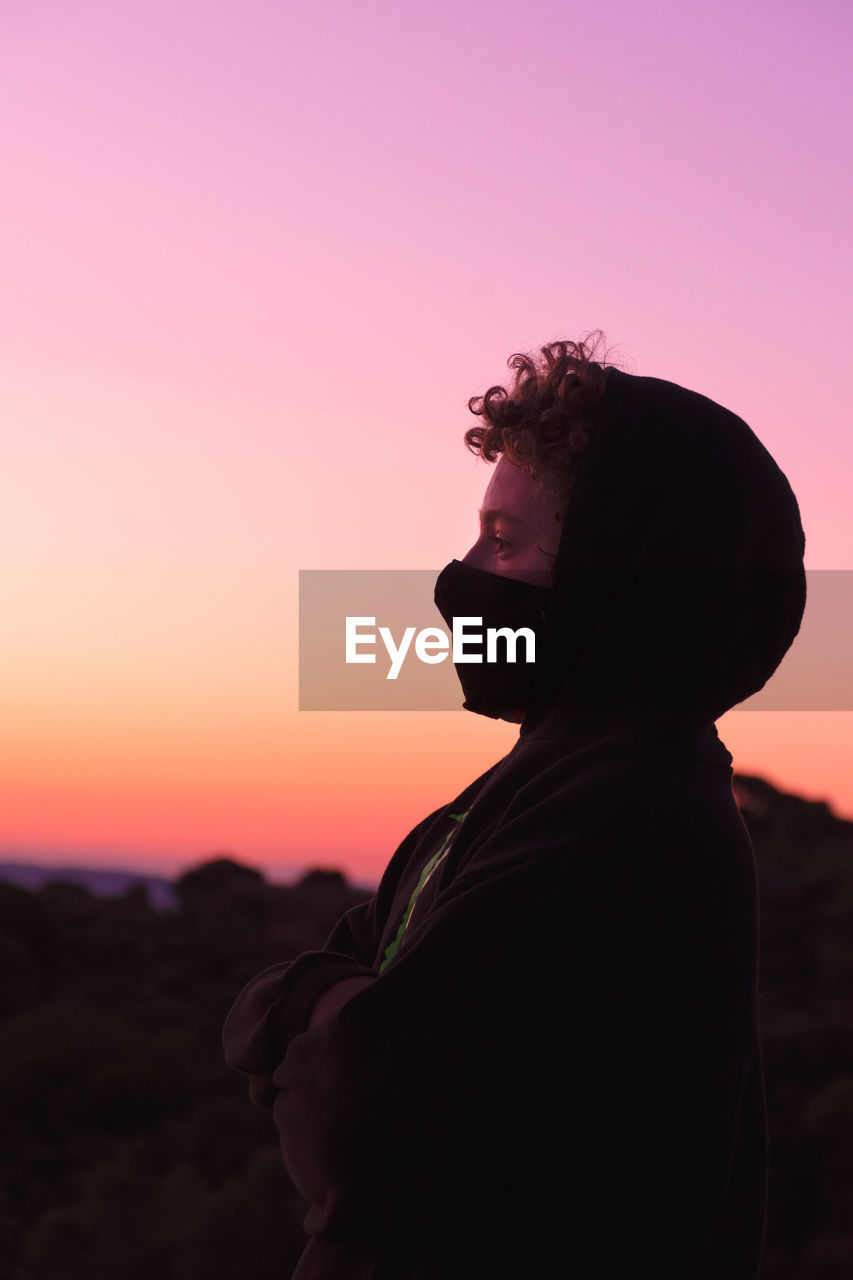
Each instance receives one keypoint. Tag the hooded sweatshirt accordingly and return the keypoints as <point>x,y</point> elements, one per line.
<point>556,1069</point>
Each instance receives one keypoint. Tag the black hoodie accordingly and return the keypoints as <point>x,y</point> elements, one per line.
<point>557,1069</point>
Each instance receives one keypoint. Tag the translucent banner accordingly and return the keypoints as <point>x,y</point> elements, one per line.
<point>373,640</point>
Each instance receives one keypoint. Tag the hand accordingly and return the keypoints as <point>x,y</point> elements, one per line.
<point>262,1091</point>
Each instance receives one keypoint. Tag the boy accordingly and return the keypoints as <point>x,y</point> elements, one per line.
<point>535,1051</point>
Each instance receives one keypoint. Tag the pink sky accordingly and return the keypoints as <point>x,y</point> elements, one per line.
<point>255,260</point>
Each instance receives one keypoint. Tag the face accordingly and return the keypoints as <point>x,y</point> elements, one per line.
<point>520,526</point>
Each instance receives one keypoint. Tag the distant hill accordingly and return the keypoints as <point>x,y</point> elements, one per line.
<point>789,832</point>
<point>103,884</point>
<point>107,883</point>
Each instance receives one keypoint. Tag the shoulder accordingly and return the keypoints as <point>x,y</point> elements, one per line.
<point>610,809</point>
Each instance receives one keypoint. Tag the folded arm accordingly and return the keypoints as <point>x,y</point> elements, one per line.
<point>604,989</point>
<point>279,1003</point>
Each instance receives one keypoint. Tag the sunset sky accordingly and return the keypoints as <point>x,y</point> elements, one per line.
<point>255,259</point>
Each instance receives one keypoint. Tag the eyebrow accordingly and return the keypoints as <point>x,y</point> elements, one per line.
<point>488,516</point>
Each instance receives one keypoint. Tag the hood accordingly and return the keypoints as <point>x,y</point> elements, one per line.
<point>679,582</point>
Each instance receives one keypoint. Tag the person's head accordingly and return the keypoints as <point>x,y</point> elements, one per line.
<point>674,548</point>
<point>535,429</point>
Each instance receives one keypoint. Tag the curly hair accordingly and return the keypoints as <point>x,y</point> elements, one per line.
<point>545,421</point>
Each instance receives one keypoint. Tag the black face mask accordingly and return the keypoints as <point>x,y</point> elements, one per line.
<point>494,688</point>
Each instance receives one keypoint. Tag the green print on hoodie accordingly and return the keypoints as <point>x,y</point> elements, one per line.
<point>439,856</point>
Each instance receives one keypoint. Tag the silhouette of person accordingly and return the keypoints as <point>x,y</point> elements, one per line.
<point>535,1050</point>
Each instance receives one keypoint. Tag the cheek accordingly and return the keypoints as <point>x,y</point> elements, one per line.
<point>537,557</point>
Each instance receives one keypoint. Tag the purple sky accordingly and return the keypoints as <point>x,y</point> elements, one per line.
<point>255,259</point>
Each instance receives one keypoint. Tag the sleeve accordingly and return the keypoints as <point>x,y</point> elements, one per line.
<point>276,1005</point>
<point>548,999</point>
